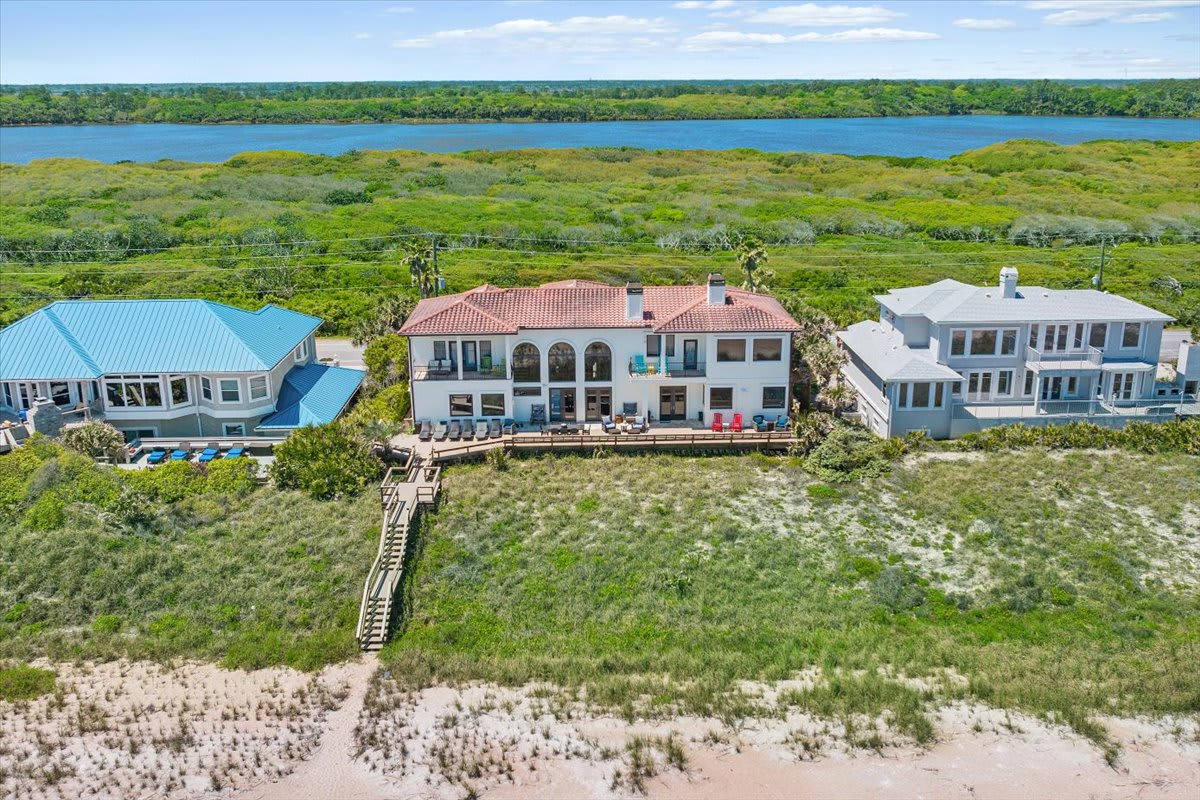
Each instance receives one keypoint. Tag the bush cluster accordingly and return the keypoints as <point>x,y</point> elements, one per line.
<point>324,462</point>
<point>1176,436</point>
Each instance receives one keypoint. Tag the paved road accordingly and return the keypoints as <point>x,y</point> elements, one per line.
<point>1171,339</point>
<point>347,354</point>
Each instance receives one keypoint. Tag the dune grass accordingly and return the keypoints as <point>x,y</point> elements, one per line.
<point>1063,585</point>
<point>96,565</point>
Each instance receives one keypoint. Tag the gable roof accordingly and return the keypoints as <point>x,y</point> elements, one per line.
<point>589,304</point>
<point>951,301</point>
<point>83,339</point>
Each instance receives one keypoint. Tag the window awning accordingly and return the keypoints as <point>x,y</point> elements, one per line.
<point>313,394</point>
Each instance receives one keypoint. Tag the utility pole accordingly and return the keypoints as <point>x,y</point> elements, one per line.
<point>1098,281</point>
<point>438,282</point>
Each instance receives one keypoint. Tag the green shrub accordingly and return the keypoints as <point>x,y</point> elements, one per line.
<point>386,359</point>
<point>95,439</point>
<point>230,477</point>
<point>23,682</point>
<point>1174,436</point>
<point>847,454</point>
<point>168,483</point>
<point>325,462</point>
<point>46,514</point>
<point>107,623</point>
<point>897,589</point>
<point>346,197</point>
<point>821,491</point>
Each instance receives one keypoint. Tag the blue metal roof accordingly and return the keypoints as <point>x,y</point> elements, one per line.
<point>312,394</point>
<point>79,339</point>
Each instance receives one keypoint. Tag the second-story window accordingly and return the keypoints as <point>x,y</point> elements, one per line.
<point>958,343</point>
<point>205,388</point>
<point>301,352</point>
<point>526,364</point>
<point>231,390</point>
<point>983,343</point>
<point>180,396</point>
<point>653,345</point>
<point>1008,341</point>
<point>562,362</point>
<point>597,362</point>
<point>768,349</point>
<point>1131,335</point>
<point>731,349</point>
<point>1098,335</point>
<point>258,387</point>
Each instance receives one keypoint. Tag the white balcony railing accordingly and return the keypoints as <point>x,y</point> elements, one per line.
<point>1086,353</point>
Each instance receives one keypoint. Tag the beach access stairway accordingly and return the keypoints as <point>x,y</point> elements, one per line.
<point>405,490</point>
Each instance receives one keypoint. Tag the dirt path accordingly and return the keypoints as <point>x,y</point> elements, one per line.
<point>333,772</point>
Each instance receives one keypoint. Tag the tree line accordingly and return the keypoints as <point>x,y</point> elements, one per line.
<point>581,102</point>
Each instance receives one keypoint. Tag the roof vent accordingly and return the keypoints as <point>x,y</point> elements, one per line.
<point>1008,282</point>
<point>634,303</point>
<point>716,289</point>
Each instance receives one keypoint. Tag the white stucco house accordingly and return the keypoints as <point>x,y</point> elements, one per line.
<point>580,350</point>
<point>949,358</point>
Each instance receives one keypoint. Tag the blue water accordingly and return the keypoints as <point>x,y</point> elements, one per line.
<point>936,137</point>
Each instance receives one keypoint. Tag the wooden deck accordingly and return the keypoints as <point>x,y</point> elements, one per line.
<point>668,439</point>
<point>405,490</point>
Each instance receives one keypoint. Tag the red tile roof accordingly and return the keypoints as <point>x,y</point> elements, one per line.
<point>588,304</point>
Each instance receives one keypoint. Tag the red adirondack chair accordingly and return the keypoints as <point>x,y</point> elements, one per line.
<point>718,424</point>
<point>736,425</point>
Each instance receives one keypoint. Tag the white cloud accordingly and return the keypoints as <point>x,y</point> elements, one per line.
<point>707,5</point>
<point>363,35</point>
<point>970,23</point>
<point>573,35</point>
<point>1074,13</point>
<point>984,24</point>
<point>733,40</point>
<point>1138,19</point>
<point>811,14</point>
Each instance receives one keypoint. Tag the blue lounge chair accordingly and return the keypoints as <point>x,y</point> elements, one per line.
<point>760,423</point>
<point>236,452</point>
<point>212,451</point>
<point>639,365</point>
<point>183,452</point>
<point>157,456</point>
<point>782,423</point>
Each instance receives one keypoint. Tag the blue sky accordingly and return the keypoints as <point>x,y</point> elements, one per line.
<point>286,40</point>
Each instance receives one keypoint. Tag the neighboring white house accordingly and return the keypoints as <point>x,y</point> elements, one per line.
<point>173,368</point>
<point>950,358</point>
<point>579,350</point>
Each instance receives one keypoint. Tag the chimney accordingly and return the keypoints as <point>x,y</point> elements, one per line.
<point>1008,282</point>
<point>716,289</point>
<point>634,305</point>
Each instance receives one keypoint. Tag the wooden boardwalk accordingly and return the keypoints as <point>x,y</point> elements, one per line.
<point>405,490</point>
<point>443,452</point>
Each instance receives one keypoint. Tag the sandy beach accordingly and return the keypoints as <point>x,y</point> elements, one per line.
<point>192,730</point>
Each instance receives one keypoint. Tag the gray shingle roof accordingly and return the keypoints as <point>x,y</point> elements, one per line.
<point>951,301</point>
<point>892,360</point>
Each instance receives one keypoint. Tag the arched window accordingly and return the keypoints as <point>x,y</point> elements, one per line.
<point>597,362</point>
<point>562,362</point>
<point>526,364</point>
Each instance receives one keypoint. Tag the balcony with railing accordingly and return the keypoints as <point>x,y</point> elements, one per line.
<point>1108,407</point>
<point>446,370</point>
<point>662,368</point>
<point>1083,356</point>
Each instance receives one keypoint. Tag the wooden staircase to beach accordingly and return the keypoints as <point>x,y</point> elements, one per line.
<point>405,490</point>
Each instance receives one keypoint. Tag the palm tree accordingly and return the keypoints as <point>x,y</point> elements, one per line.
<point>387,317</point>
<point>751,256</point>
<point>423,268</point>
<point>837,395</point>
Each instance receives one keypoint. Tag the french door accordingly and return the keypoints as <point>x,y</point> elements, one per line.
<point>689,354</point>
<point>562,405</point>
<point>1122,386</point>
<point>979,386</point>
<point>672,403</point>
<point>597,404</point>
<point>1052,388</point>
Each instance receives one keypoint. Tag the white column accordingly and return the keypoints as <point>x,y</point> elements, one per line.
<point>459,354</point>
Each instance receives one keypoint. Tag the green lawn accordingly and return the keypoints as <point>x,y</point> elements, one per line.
<point>1065,585</point>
